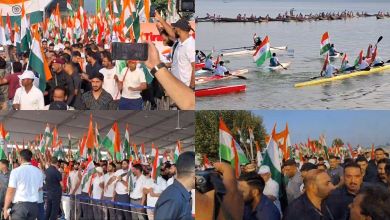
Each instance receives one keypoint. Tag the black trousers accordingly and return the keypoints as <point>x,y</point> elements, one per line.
<point>53,203</point>
<point>25,211</point>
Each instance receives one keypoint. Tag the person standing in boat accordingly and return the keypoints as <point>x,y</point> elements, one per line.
<point>221,70</point>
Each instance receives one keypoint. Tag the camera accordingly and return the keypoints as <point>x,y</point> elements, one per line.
<point>129,51</point>
<point>207,180</point>
<point>186,6</point>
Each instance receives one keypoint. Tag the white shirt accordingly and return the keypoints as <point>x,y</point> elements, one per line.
<point>74,178</point>
<point>208,64</point>
<point>109,189</point>
<point>150,200</point>
<point>170,181</point>
<point>271,188</point>
<point>220,71</point>
<point>96,189</point>
<point>363,65</point>
<point>132,79</point>
<point>33,100</point>
<point>85,189</point>
<point>161,183</point>
<point>109,83</point>
<point>183,56</point>
<point>138,186</point>
<point>119,187</point>
<point>27,180</point>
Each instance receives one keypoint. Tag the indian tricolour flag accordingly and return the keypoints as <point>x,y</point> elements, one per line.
<point>344,62</point>
<point>273,159</point>
<point>359,59</point>
<point>25,33</point>
<point>126,142</point>
<point>112,141</point>
<point>229,149</point>
<point>38,62</point>
<point>155,162</point>
<point>263,52</point>
<point>34,9</point>
<point>325,43</point>
<point>87,174</point>
<point>45,140</point>
<point>177,151</point>
<point>4,139</point>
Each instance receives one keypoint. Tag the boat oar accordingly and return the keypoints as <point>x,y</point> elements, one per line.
<point>282,66</point>
<point>379,40</point>
<point>240,77</point>
<point>275,48</point>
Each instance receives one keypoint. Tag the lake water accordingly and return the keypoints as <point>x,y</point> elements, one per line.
<point>272,90</point>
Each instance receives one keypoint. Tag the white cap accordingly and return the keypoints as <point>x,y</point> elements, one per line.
<point>27,75</point>
<point>99,169</point>
<point>264,169</point>
<point>312,161</point>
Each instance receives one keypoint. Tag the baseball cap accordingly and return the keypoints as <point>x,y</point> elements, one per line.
<point>58,60</point>
<point>264,169</point>
<point>27,75</point>
<point>182,24</point>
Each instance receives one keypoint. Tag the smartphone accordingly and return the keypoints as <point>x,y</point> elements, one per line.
<point>152,11</point>
<point>129,51</point>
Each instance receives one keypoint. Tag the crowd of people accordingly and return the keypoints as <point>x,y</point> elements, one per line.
<point>315,188</point>
<point>37,187</point>
<point>85,76</point>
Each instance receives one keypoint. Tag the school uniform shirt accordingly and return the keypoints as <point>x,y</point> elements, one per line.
<point>27,180</point>
<point>96,189</point>
<point>109,189</point>
<point>131,79</point>
<point>138,185</point>
<point>183,56</point>
<point>119,187</point>
<point>33,100</point>
<point>109,83</point>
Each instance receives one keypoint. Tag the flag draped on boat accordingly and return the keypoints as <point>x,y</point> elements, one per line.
<point>325,43</point>
<point>263,52</point>
<point>229,149</point>
<point>38,63</point>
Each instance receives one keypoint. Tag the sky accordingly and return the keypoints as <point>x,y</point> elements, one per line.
<point>354,127</point>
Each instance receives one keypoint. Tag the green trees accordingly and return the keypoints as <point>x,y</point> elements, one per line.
<point>207,131</point>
